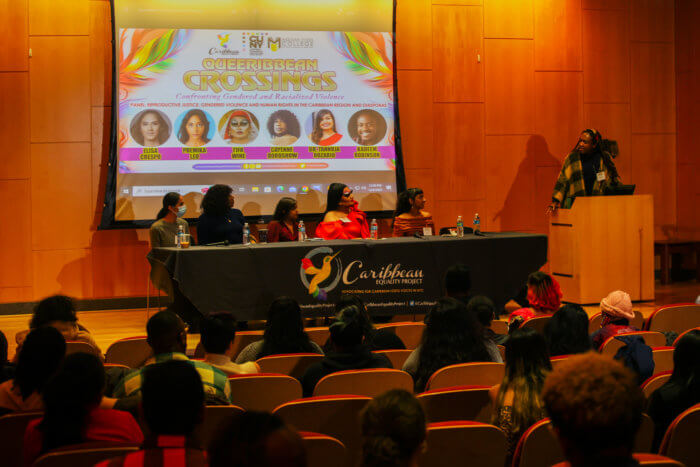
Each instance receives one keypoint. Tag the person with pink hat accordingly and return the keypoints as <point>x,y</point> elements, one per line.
<point>617,312</point>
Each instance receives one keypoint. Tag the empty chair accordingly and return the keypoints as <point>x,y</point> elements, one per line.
<point>464,443</point>
<point>595,321</point>
<point>663,359</point>
<point>132,352</point>
<point>12,428</point>
<point>467,374</point>
<point>537,323</point>
<point>456,403</point>
<point>537,447</point>
<point>652,339</point>
<point>396,357</point>
<point>499,327</point>
<point>655,382</point>
<point>293,364</point>
<point>644,459</point>
<point>370,382</point>
<point>681,439</point>
<point>263,391</point>
<point>81,347</point>
<point>318,335</point>
<point>83,455</point>
<point>410,332</point>
<point>645,435</point>
<point>213,417</point>
<point>321,448</point>
<point>677,318</point>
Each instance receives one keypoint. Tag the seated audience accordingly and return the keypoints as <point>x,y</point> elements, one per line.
<point>485,311</point>
<point>38,359</point>
<point>349,351</point>
<point>682,391</point>
<point>257,439</point>
<point>72,411</point>
<point>393,429</point>
<point>543,295</point>
<point>7,370</point>
<point>567,331</point>
<point>342,219</point>
<point>219,221</point>
<point>516,401</point>
<point>168,221</point>
<point>218,332</point>
<point>284,333</point>
<point>409,217</point>
<point>167,337</point>
<point>595,406</point>
<point>452,335</point>
<point>458,282</point>
<point>172,407</point>
<point>283,226</point>
<point>617,312</point>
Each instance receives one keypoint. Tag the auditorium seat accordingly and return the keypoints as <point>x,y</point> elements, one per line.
<point>241,341</point>
<point>108,366</point>
<point>321,449</point>
<point>81,347</point>
<point>464,443</point>
<point>131,351</point>
<point>652,339</point>
<point>397,357</point>
<point>319,335</point>
<point>293,364</point>
<point>409,332</point>
<point>681,439</point>
<point>663,359</point>
<point>644,459</point>
<point>456,403</point>
<point>467,374</point>
<point>336,416</point>
<point>595,321</point>
<point>214,415</point>
<point>537,323</point>
<point>678,318</point>
<point>558,360</point>
<point>84,455</point>
<point>499,327</point>
<point>370,382</point>
<point>502,351</point>
<point>655,382</point>
<point>680,336</point>
<point>263,391</point>
<point>12,428</point>
<point>645,435</point>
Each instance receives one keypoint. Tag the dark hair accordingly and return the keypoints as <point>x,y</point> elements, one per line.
<point>686,365</point>
<point>600,146</point>
<point>452,335</point>
<point>403,202</point>
<point>284,329</point>
<point>218,331</point>
<point>457,280</point>
<point>347,300</point>
<point>3,349</point>
<point>169,200</point>
<point>182,132</point>
<point>317,132</point>
<point>335,194</point>
<point>172,397</point>
<point>289,120</point>
<point>166,333</point>
<point>54,308</point>
<point>163,129</point>
<point>566,331</point>
<point>215,201</point>
<point>284,207</point>
<point>70,395</point>
<point>483,308</point>
<point>393,428</point>
<point>348,329</point>
<point>40,356</point>
<point>546,294</point>
<point>381,126</point>
<point>256,439</point>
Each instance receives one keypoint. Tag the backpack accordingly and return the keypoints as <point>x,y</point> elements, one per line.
<point>637,356</point>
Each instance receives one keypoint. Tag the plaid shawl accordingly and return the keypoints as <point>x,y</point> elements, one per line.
<point>570,182</point>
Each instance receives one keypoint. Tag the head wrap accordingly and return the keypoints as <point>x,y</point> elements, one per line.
<point>253,132</point>
<point>617,305</point>
<point>548,301</point>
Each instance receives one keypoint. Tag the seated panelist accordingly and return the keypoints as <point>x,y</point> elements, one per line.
<point>283,226</point>
<point>342,219</point>
<point>168,221</point>
<point>409,217</point>
<point>219,221</point>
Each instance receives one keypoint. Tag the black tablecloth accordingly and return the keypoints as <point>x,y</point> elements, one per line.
<point>392,276</point>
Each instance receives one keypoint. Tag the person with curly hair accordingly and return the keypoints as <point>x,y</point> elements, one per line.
<point>284,128</point>
<point>543,295</point>
<point>219,221</point>
<point>324,132</point>
<point>194,129</point>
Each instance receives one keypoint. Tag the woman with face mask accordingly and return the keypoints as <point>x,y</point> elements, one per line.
<point>169,219</point>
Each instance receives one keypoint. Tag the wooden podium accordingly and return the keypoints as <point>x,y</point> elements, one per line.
<point>601,244</point>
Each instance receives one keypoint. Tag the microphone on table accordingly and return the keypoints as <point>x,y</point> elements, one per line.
<point>419,235</point>
<point>224,243</point>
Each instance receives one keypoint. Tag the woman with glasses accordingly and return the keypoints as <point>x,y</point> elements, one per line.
<point>342,219</point>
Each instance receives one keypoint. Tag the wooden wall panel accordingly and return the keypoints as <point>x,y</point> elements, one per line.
<point>654,172</point>
<point>100,53</point>
<point>119,270</point>
<point>58,17</point>
<point>415,111</point>
<point>66,272</point>
<point>653,88</point>
<point>613,122</point>
<point>458,2</point>
<point>687,214</point>
<point>14,125</point>
<point>446,212</point>
<point>16,294</point>
<point>15,239</point>
<point>422,178</point>
<point>606,4</point>
<point>688,119</point>
<point>413,34</point>
<point>14,24</point>
<point>59,80</point>
<point>62,208</point>
<point>457,42</point>
<point>510,87</point>
<point>101,121</point>
<point>512,19</point>
<point>559,109</point>
<point>545,177</point>
<point>459,151</point>
<point>652,20</point>
<point>558,35</point>
<point>606,56</point>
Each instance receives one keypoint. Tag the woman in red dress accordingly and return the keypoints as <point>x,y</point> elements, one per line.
<point>324,132</point>
<point>283,227</point>
<point>343,219</point>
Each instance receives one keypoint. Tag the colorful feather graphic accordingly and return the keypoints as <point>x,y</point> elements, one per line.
<point>144,54</point>
<point>368,56</point>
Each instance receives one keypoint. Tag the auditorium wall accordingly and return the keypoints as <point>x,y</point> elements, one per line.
<point>492,96</point>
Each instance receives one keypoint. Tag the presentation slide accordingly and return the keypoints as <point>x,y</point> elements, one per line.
<point>271,112</point>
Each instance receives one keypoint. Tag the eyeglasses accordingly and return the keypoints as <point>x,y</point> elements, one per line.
<point>347,195</point>
<point>237,124</point>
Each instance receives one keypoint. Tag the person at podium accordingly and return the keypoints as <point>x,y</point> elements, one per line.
<point>588,170</point>
<point>342,219</point>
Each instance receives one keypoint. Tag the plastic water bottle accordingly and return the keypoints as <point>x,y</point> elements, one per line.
<point>476,223</point>
<point>374,230</point>
<point>178,237</point>
<point>246,234</point>
<point>460,227</point>
<point>302,231</point>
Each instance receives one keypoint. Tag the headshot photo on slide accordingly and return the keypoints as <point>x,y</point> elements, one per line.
<point>283,127</point>
<point>195,128</point>
<point>238,126</point>
<point>321,127</point>
<point>367,127</point>
<point>150,128</point>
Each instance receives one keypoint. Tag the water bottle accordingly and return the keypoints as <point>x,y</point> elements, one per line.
<point>374,230</point>
<point>476,224</point>
<point>460,227</point>
<point>178,237</point>
<point>246,234</point>
<point>302,231</point>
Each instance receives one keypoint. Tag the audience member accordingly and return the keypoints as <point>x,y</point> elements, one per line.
<point>543,295</point>
<point>7,370</point>
<point>218,332</point>
<point>38,359</point>
<point>284,333</point>
<point>484,310</point>
<point>617,312</point>
<point>394,430</point>
<point>172,406</point>
<point>682,391</point>
<point>516,401</point>
<point>451,336</point>
<point>72,411</point>
<point>566,331</point>
<point>349,351</point>
<point>458,282</point>
<point>257,439</point>
<point>167,337</point>
<point>595,406</point>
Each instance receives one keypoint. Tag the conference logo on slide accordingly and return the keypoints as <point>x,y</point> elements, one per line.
<point>314,275</point>
<point>223,40</point>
